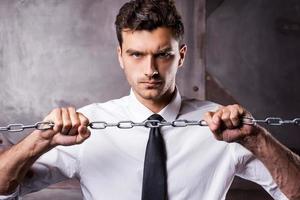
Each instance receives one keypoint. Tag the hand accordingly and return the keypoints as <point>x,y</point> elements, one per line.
<point>70,128</point>
<point>226,123</point>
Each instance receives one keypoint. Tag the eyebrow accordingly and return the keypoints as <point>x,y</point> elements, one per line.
<point>130,51</point>
<point>167,49</point>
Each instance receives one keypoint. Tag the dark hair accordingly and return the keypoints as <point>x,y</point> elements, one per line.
<point>149,15</point>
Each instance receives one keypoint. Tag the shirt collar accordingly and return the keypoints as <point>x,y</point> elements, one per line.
<point>140,112</point>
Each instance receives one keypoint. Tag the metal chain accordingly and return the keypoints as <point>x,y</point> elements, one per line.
<point>275,121</point>
<point>21,127</point>
<point>146,123</point>
<point>272,121</point>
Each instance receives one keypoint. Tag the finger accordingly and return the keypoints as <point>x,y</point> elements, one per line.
<point>75,121</point>
<point>59,139</point>
<point>208,117</point>
<point>226,118</point>
<point>55,116</point>
<point>216,118</point>
<point>235,115</point>
<point>83,120</point>
<point>84,123</point>
<point>67,124</point>
<point>84,133</point>
<point>241,110</point>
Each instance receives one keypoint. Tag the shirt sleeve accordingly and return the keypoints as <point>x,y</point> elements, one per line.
<point>13,196</point>
<point>54,166</point>
<point>250,168</point>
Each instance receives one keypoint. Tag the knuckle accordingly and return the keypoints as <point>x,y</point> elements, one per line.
<point>216,118</point>
<point>76,124</point>
<point>233,107</point>
<point>233,118</point>
<point>64,109</point>
<point>236,105</point>
<point>56,110</point>
<point>224,117</point>
<point>68,125</point>
<point>59,125</point>
<point>85,121</point>
<point>71,108</point>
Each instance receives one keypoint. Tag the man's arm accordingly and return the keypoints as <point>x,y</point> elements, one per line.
<point>282,163</point>
<point>70,129</point>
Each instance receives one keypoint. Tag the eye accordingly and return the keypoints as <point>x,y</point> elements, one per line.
<point>136,54</point>
<point>164,55</point>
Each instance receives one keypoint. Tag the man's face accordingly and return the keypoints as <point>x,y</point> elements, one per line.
<point>150,61</point>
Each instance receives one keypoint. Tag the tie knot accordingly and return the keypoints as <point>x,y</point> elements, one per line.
<point>156,117</point>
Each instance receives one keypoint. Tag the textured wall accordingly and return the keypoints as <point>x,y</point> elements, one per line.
<point>253,50</point>
<point>63,52</point>
<point>56,53</point>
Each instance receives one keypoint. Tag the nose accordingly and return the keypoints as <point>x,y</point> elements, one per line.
<point>150,67</point>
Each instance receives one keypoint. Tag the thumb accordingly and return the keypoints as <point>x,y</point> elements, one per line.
<point>83,134</point>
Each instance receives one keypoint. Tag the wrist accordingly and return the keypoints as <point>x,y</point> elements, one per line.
<point>255,140</point>
<point>36,145</point>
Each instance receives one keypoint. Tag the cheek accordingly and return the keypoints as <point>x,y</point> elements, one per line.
<point>131,74</point>
<point>133,68</point>
<point>170,77</point>
<point>169,69</point>
<point>169,65</point>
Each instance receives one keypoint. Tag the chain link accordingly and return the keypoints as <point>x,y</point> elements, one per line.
<point>146,123</point>
<point>21,127</point>
<point>272,121</point>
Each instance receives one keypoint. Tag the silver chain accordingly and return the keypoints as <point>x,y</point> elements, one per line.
<point>275,121</point>
<point>146,123</point>
<point>21,127</point>
<point>272,121</point>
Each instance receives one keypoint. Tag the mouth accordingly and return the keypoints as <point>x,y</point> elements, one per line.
<point>151,84</point>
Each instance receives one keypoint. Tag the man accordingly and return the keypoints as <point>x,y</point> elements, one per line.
<point>111,164</point>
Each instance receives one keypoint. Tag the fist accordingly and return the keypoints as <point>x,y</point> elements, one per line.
<point>70,127</point>
<point>226,123</point>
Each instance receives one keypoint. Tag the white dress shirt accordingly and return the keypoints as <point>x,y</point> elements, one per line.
<point>110,163</point>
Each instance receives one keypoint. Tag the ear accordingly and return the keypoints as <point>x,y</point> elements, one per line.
<point>182,53</point>
<point>119,49</point>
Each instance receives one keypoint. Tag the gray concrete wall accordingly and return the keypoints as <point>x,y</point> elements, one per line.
<point>63,52</point>
<point>253,50</point>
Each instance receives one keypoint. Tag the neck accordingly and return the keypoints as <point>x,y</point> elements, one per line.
<point>156,105</point>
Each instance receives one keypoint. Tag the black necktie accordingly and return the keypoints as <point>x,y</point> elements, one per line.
<point>155,175</point>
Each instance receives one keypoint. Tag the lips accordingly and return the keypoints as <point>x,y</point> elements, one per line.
<point>151,84</point>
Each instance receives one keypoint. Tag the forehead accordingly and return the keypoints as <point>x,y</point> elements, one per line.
<point>148,40</point>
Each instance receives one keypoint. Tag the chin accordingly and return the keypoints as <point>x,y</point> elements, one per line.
<point>150,94</point>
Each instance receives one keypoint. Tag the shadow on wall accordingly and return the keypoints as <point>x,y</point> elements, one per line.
<point>253,51</point>
<point>253,58</point>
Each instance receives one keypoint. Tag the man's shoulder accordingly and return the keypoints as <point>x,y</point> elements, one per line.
<point>190,105</point>
<point>108,107</point>
<point>196,104</point>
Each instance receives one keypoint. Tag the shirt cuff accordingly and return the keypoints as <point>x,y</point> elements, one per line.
<point>13,196</point>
